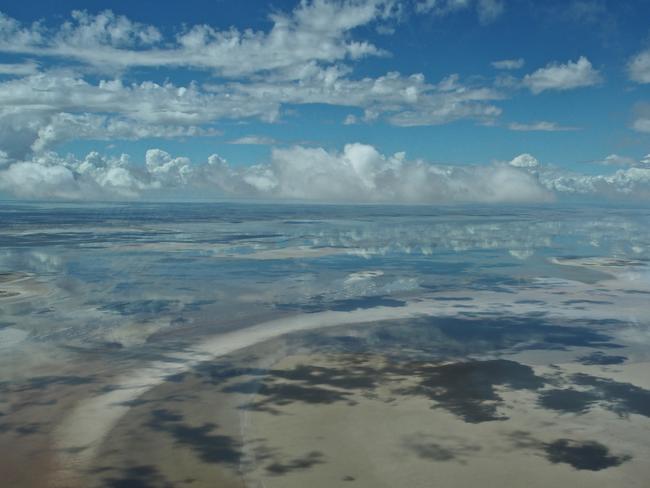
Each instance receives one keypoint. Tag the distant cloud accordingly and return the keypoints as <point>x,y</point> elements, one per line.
<point>33,180</point>
<point>361,174</point>
<point>358,173</point>
<point>350,119</point>
<point>641,121</point>
<point>441,7</point>
<point>254,141</point>
<point>617,160</point>
<point>641,124</point>
<point>586,11</point>
<point>19,69</point>
<point>555,76</point>
<point>524,161</point>
<point>638,67</point>
<point>487,10</point>
<point>509,64</point>
<point>632,183</point>
<point>542,126</point>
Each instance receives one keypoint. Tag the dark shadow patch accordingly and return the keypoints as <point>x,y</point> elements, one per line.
<point>285,394</point>
<point>467,389</point>
<point>45,382</point>
<point>582,455</point>
<point>217,373</point>
<point>569,401</point>
<point>522,439</point>
<point>29,429</point>
<point>621,398</point>
<point>138,477</point>
<point>307,384</point>
<point>311,459</point>
<point>585,455</point>
<point>210,447</point>
<point>600,358</point>
<point>246,387</point>
<point>348,378</point>
<point>434,451</point>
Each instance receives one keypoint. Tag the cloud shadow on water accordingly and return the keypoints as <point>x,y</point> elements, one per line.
<point>585,455</point>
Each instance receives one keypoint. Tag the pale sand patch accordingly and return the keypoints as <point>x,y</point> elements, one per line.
<point>389,440</point>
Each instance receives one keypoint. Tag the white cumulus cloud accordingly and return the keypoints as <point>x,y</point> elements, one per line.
<point>556,76</point>
<point>253,140</point>
<point>524,161</point>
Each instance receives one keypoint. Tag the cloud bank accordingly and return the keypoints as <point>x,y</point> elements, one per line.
<point>356,174</point>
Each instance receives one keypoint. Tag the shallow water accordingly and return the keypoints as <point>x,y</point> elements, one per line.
<point>152,344</point>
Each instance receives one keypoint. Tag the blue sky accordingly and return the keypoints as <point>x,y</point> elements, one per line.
<point>244,79</point>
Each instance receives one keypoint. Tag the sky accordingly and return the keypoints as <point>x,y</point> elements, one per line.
<point>406,101</point>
